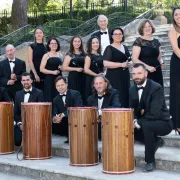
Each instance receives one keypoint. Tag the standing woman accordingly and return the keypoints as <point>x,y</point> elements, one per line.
<point>35,53</point>
<point>174,37</point>
<point>51,67</point>
<point>74,64</point>
<point>93,63</point>
<point>146,50</point>
<point>116,58</point>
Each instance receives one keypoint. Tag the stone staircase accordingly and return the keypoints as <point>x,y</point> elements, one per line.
<point>162,35</point>
<point>58,168</point>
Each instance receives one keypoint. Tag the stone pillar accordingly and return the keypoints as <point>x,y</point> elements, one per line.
<point>160,16</point>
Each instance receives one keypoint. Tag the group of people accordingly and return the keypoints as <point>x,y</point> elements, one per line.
<point>99,77</point>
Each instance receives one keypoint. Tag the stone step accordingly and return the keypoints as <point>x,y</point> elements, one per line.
<point>4,176</point>
<point>58,168</point>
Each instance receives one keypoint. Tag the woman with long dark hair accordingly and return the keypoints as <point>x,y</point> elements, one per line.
<point>74,64</point>
<point>93,63</point>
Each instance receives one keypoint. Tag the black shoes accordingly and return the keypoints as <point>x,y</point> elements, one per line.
<point>67,141</point>
<point>159,143</point>
<point>149,167</point>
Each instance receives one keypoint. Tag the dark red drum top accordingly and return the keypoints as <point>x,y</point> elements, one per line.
<point>80,108</point>
<point>5,102</point>
<point>117,109</point>
<point>35,103</point>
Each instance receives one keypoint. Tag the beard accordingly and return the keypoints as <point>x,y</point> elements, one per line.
<point>139,81</point>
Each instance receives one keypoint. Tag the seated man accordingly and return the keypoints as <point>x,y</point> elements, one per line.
<point>103,97</point>
<point>28,94</point>
<point>66,98</point>
<point>3,95</point>
<point>151,116</point>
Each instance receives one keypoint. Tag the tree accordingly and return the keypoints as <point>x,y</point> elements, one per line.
<point>19,14</point>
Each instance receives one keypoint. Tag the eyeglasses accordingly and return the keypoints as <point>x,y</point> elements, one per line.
<point>175,7</point>
<point>115,34</point>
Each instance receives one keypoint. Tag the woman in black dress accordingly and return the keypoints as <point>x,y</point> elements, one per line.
<point>51,67</point>
<point>74,64</point>
<point>35,53</point>
<point>93,63</point>
<point>174,37</point>
<point>146,50</point>
<point>116,59</point>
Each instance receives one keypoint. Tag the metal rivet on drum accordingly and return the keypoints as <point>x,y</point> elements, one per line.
<point>92,123</point>
<point>84,125</point>
<point>116,126</point>
<point>106,123</point>
<point>127,136</point>
<point>75,125</point>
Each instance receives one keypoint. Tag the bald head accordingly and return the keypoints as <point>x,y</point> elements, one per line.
<point>102,22</point>
<point>10,51</point>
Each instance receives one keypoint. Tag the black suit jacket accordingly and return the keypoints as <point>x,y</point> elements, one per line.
<point>152,102</point>
<point>5,71</point>
<point>111,100</point>
<point>97,34</point>
<point>35,96</point>
<point>73,99</point>
<point>3,95</point>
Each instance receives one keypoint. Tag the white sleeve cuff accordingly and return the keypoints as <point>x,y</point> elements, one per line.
<point>136,124</point>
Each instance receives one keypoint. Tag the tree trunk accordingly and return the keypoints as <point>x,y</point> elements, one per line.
<point>19,14</point>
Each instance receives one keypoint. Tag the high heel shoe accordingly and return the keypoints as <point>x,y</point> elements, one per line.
<point>177,131</point>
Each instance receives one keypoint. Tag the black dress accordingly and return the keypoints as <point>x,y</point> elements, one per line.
<point>119,77</point>
<point>39,50</point>
<point>76,80</point>
<point>175,89</point>
<point>97,67</point>
<point>49,87</point>
<point>149,55</point>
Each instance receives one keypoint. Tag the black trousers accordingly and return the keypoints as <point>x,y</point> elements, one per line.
<point>148,133</point>
<point>17,135</point>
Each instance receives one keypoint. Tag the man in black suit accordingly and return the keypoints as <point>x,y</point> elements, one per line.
<point>3,95</point>
<point>103,34</point>
<point>103,97</point>
<point>151,116</point>
<point>66,98</point>
<point>10,72</point>
<point>28,94</point>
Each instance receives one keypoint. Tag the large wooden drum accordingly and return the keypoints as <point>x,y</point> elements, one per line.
<point>117,141</point>
<point>83,136</point>
<point>6,128</point>
<point>36,136</point>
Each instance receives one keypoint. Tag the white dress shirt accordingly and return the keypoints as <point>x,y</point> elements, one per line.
<point>12,65</point>
<point>100,102</point>
<point>27,95</point>
<point>141,90</point>
<point>64,97</point>
<point>104,41</point>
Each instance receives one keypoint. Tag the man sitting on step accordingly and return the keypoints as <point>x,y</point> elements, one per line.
<point>151,116</point>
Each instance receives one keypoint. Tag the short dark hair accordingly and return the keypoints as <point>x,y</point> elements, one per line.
<point>26,74</point>
<point>118,28</point>
<point>60,78</point>
<point>142,24</point>
<point>109,87</point>
<point>48,43</point>
<point>140,65</point>
<point>89,45</point>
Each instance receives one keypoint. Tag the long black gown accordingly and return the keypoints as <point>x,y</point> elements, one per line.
<point>97,67</point>
<point>49,87</point>
<point>39,50</point>
<point>76,80</point>
<point>149,55</point>
<point>175,89</point>
<point>119,77</point>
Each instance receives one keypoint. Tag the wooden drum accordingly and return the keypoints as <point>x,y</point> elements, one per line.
<point>36,134</point>
<point>6,128</point>
<point>83,136</point>
<point>117,141</point>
